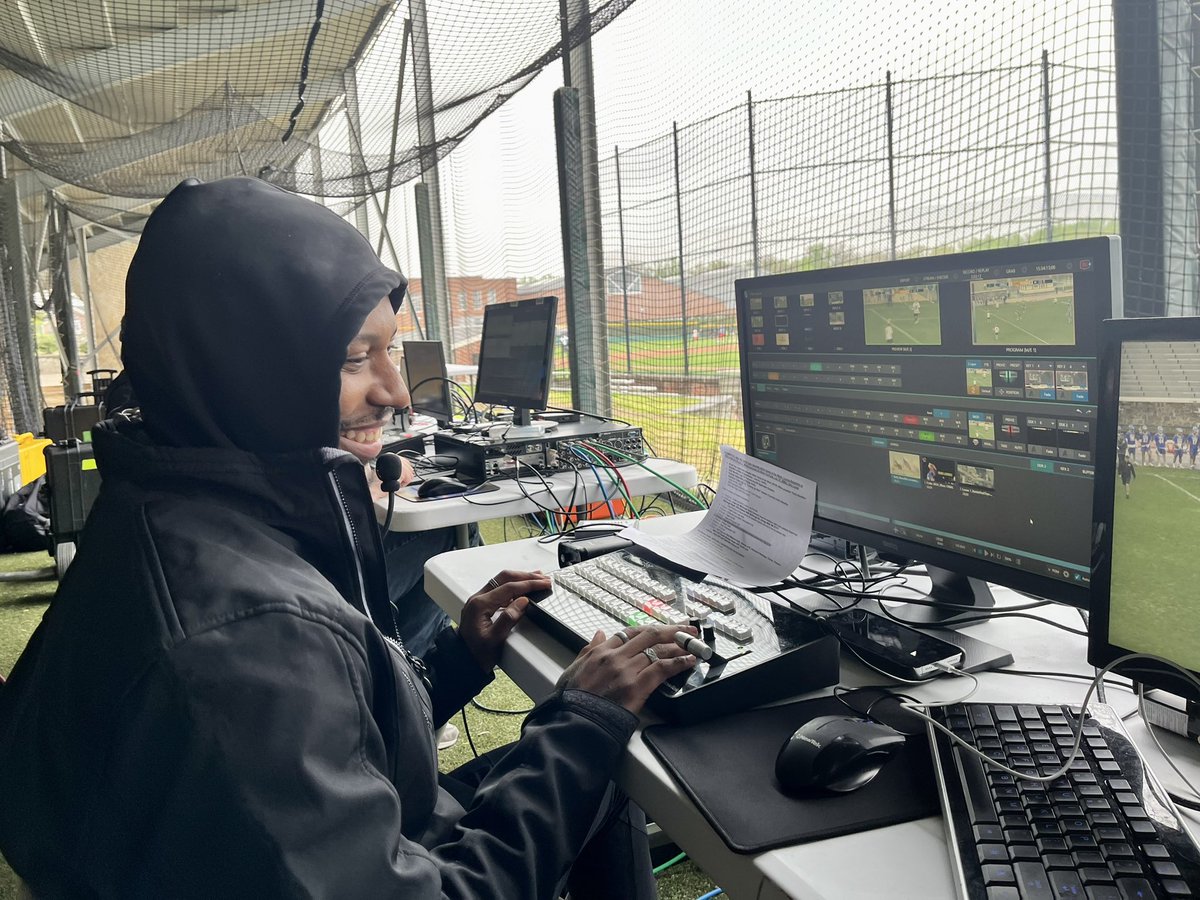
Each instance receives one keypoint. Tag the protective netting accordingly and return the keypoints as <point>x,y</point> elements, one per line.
<point>734,139</point>
<point>123,97</point>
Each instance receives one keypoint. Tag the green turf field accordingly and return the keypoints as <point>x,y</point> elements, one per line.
<point>1024,322</point>
<point>704,356</point>
<point>1154,565</point>
<point>925,331</point>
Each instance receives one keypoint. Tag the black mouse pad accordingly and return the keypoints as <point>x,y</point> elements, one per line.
<point>727,767</point>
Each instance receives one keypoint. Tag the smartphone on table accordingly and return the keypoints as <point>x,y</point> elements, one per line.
<point>895,648</point>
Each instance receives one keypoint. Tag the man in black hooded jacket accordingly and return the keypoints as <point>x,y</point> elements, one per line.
<point>210,707</point>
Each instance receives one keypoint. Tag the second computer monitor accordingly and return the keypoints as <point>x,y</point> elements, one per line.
<point>428,386</point>
<point>944,406</point>
<point>1147,502</point>
<point>516,355</point>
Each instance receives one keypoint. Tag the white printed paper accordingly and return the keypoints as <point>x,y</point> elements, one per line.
<point>755,533</point>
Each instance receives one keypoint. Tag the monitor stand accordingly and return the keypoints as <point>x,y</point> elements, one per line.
<point>951,588</point>
<point>961,590</point>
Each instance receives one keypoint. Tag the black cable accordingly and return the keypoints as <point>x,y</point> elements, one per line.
<point>303,83</point>
<point>988,617</point>
<point>921,601</point>
<point>467,732</point>
<point>502,712</point>
<point>1185,802</point>
<point>1111,682</point>
<point>389,469</point>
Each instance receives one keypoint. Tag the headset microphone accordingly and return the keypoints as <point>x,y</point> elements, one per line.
<point>388,467</point>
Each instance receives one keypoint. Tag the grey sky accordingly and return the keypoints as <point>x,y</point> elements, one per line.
<point>683,60</point>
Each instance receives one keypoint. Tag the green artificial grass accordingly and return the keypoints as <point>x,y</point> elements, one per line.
<point>23,603</point>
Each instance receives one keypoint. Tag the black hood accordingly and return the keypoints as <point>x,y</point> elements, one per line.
<point>239,304</point>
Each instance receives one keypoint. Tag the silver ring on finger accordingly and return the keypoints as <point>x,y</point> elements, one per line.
<point>623,636</point>
<point>491,585</point>
<point>650,654</point>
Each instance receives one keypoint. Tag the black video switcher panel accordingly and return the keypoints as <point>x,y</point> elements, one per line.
<point>762,652</point>
<point>480,457</point>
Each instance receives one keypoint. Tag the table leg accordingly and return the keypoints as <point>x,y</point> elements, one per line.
<point>462,536</point>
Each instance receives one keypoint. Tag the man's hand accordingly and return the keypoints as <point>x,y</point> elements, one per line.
<point>627,667</point>
<point>490,614</point>
<point>407,474</point>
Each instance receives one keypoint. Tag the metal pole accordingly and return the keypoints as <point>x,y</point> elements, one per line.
<point>577,287</point>
<point>387,191</point>
<point>431,296</point>
<point>1046,202</point>
<point>581,123</point>
<point>427,136</point>
<point>385,234</point>
<point>88,306</point>
<point>362,221</point>
<point>753,181</point>
<point>891,162</point>
<point>679,232</point>
<point>26,394</point>
<point>564,21</point>
<point>624,268</point>
<point>1141,181</point>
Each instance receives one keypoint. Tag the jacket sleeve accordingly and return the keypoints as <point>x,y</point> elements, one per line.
<point>455,675</point>
<point>533,811</point>
<point>269,780</point>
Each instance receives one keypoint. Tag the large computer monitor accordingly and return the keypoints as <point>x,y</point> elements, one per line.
<point>516,356</point>
<point>428,386</point>
<point>1147,516</point>
<point>944,406</point>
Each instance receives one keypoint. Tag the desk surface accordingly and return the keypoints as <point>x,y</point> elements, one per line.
<point>512,498</point>
<point>908,860</point>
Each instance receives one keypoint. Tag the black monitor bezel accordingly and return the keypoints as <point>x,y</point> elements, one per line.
<point>1106,255</point>
<point>446,414</point>
<point>484,393</point>
<point>1101,651</point>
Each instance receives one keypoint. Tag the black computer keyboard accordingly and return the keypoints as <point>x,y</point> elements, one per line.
<point>1104,831</point>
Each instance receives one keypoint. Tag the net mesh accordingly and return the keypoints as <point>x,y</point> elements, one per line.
<point>734,140</point>
<point>135,92</point>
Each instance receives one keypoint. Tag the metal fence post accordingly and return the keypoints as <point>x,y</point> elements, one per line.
<point>431,295</point>
<point>21,363</point>
<point>624,268</point>
<point>753,181</point>
<point>679,231</point>
<point>1140,179</point>
<point>588,392</point>
<point>81,250</point>
<point>1047,201</point>
<point>576,18</point>
<point>891,162</point>
<point>435,273</point>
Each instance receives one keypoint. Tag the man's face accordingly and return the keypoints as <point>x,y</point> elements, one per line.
<point>371,385</point>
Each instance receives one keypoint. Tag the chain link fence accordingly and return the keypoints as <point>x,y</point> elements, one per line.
<point>1072,119</point>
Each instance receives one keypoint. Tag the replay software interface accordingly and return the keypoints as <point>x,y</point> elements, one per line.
<point>950,407</point>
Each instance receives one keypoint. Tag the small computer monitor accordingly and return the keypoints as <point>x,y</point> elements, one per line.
<point>1147,501</point>
<point>516,355</point>
<point>943,405</point>
<point>428,386</point>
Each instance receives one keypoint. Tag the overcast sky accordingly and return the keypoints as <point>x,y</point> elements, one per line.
<point>686,60</point>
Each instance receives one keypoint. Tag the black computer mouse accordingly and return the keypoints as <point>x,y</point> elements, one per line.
<point>441,486</point>
<point>835,753</point>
